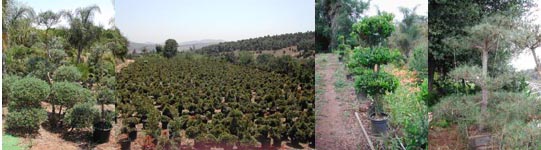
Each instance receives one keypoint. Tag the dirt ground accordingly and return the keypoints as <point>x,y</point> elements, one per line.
<point>445,138</point>
<point>336,104</point>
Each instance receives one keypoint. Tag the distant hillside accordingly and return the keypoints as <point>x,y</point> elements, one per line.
<point>197,44</point>
<point>138,47</point>
<point>151,47</point>
<point>302,41</point>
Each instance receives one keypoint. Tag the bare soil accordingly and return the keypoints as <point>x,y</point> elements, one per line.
<point>445,139</point>
<point>336,124</point>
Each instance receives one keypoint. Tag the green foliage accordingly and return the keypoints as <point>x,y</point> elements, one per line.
<point>25,120</point>
<point>67,73</point>
<point>369,57</point>
<point>375,83</point>
<point>7,82</point>
<point>409,112</point>
<point>57,55</point>
<point>170,48</point>
<point>69,93</point>
<point>419,61</point>
<point>81,115</point>
<point>82,32</point>
<point>303,40</point>
<point>28,92</point>
<point>332,21</point>
<point>375,29</point>
<point>520,135</point>
<point>215,97</point>
<point>246,58</point>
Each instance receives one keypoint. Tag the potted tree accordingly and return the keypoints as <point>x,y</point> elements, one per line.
<point>102,128</point>
<point>372,81</point>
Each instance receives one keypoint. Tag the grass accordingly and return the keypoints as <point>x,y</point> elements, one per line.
<point>10,142</point>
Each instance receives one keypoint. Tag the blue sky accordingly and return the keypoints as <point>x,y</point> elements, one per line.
<point>186,20</point>
<point>106,7</point>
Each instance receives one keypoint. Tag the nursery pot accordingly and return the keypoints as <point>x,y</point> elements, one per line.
<point>164,124</point>
<point>349,76</point>
<point>379,125</point>
<point>102,130</point>
<point>132,135</point>
<point>125,144</point>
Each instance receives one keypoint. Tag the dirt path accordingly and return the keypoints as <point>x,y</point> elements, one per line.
<point>336,103</point>
<point>121,64</point>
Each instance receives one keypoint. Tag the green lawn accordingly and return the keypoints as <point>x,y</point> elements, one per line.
<point>11,143</point>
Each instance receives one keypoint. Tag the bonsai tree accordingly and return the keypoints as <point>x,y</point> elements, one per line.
<point>486,37</point>
<point>374,30</point>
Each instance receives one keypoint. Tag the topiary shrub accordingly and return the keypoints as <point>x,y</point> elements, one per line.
<point>81,115</point>
<point>67,73</point>
<point>25,120</point>
<point>28,92</point>
<point>7,82</point>
<point>68,94</point>
<point>375,83</point>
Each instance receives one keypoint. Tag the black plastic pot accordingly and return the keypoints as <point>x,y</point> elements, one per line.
<point>164,124</point>
<point>132,135</point>
<point>125,144</point>
<point>102,130</point>
<point>379,126</point>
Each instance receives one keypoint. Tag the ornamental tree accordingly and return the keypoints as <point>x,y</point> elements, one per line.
<point>487,36</point>
<point>374,30</point>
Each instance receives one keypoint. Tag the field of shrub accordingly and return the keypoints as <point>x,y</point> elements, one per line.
<point>215,102</point>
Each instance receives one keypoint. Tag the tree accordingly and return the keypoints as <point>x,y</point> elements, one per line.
<point>530,38</point>
<point>15,18</point>
<point>334,18</point>
<point>374,30</point>
<point>170,48</point>
<point>159,49</point>
<point>409,31</point>
<point>82,32</point>
<point>443,24</point>
<point>486,37</point>
<point>48,19</point>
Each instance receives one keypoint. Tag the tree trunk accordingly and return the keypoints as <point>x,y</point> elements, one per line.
<point>431,70</point>
<point>484,92</point>
<point>537,65</point>
<point>79,50</point>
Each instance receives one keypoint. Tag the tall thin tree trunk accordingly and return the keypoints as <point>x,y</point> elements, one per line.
<point>537,65</point>
<point>79,50</point>
<point>484,92</point>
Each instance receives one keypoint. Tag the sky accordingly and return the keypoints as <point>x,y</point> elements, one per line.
<point>103,18</point>
<point>187,20</point>
<point>392,6</point>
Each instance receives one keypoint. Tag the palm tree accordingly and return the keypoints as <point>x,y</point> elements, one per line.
<point>82,32</point>
<point>14,15</point>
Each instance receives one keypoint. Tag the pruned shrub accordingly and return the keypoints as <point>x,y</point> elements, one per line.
<point>25,120</point>
<point>28,92</point>
<point>375,83</point>
<point>7,82</point>
<point>81,115</point>
<point>67,73</point>
<point>68,94</point>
